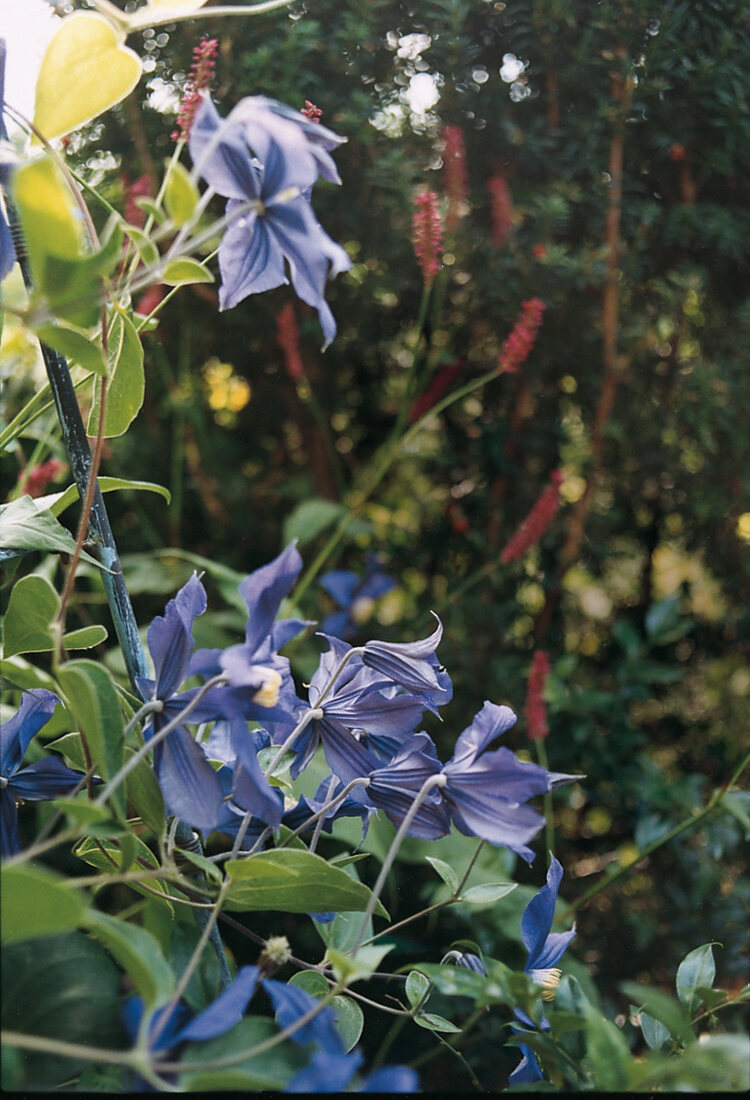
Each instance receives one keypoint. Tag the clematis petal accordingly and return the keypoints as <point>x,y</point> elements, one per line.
<point>47,778</point>
<point>170,637</point>
<point>492,721</point>
<point>291,1003</point>
<point>263,591</point>
<point>226,1011</point>
<point>220,154</point>
<point>326,1073</point>
<point>538,915</point>
<point>411,664</point>
<point>34,712</point>
<point>527,1071</point>
<point>9,838</point>
<point>189,784</point>
<point>251,790</point>
<point>478,810</point>
<point>250,260</point>
<point>391,1079</point>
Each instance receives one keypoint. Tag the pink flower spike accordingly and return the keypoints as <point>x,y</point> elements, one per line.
<point>311,111</point>
<point>427,234</point>
<point>536,522</point>
<point>42,475</point>
<point>201,75</point>
<point>535,711</point>
<point>522,338</point>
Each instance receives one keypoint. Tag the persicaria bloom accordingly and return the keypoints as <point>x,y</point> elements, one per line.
<point>522,337</point>
<point>535,710</point>
<point>427,234</point>
<point>201,75</point>
<point>287,337</point>
<point>42,475</point>
<point>454,173</point>
<point>501,209</point>
<point>536,522</point>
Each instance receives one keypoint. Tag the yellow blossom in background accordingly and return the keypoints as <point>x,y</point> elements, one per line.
<point>228,392</point>
<point>743,526</point>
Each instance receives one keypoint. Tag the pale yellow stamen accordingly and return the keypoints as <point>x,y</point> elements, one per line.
<point>267,694</point>
<point>548,980</point>
<point>361,609</point>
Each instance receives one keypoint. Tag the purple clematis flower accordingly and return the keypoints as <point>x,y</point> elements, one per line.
<point>47,778</point>
<point>394,786</point>
<point>544,950</point>
<point>333,1072</point>
<point>187,780</point>
<point>355,596</point>
<point>270,221</point>
<point>413,665</point>
<point>260,683</point>
<point>486,791</point>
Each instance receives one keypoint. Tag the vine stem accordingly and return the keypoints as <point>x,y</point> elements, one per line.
<point>714,802</point>
<point>431,781</point>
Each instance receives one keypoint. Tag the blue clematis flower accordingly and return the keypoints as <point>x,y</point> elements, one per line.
<point>47,778</point>
<point>332,1073</point>
<point>486,791</point>
<point>270,221</point>
<point>544,950</point>
<point>187,780</point>
<point>355,596</point>
<point>394,786</point>
<point>413,665</point>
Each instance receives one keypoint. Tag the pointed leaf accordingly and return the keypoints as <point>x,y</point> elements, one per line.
<point>37,902</point>
<point>417,987</point>
<point>85,70</point>
<point>294,881</point>
<point>23,526</point>
<point>138,952</point>
<point>446,872</point>
<point>487,893</point>
<point>180,194</point>
<point>185,270</point>
<point>126,381</point>
<point>94,703</point>
<point>696,969</point>
<point>433,1022</point>
<point>32,607</point>
<point>74,345</point>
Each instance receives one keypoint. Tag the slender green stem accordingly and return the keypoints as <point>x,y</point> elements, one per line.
<point>714,803</point>
<point>737,998</point>
<point>45,1045</point>
<point>431,781</point>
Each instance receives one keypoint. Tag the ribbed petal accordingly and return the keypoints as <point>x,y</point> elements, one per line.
<point>251,790</point>
<point>226,1011</point>
<point>392,1079</point>
<point>34,712</point>
<point>170,638</point>
<point>326,1073</point>
<point>537,918</point>
<point>261,110</point>
<point>527,1071</point>
<point>220,154</point>
<point>492,721</point>
<point>477,810</point>
<point>347,758</point>
<point>47,778</point>
<point>250,260</point>
<point>263,591</point>
<point>411,664</point>
<point>189,784</point>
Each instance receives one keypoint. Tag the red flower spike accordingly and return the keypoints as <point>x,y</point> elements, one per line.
<point>42,475</point>
<point>536,522</point>
<point>201,75</point>
<point>516,348</point>
<point>311,111</point>
<point>535,710</point>
<point>427,234</point>
<point>454,174</point>
<point>287,337</point>
<point>501,209</point>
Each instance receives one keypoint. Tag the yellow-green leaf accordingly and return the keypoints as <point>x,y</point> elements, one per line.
<point>74,345</point>
<point>51,225</point>
<point>32,607</point>
<point>180,194</point>
<point>85,70</point>
<point>186,270</point>
<point>126,381</point>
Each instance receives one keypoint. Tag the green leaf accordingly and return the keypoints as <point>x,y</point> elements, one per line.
<point>294,881</point>
<point>718,1063</point>
<point>83,812</point>
<point>26,676</point>
<point>351,968</point>
<point>180,193</point>
<point>94,703</point>
<point>738,805</point>
<point>446,872</point>
<point>23,526</point>
<point>433,1022</point>
<point>74,345</point>
<point>126,381</point>
<point>143,245</point>
<point>144,794</point>
<point>654,1032</point>
<point>58,502</point>
<point>152,208</point>
<point>454,981</point>
<point>696,969</point>
<point>663,1008</point>
<point>607,1052</point>
<point>125,854</point>
<point>138,953</point>
<point>52,227</point>
<point>37,902</point>
<point>417,987</point>
<point>269,1071</point>
<point>61,987</point>
<point>487,893</point>
<point>310,518</point>
<point>32,607</point>
<point>185,270</point>
<point>86,638</point>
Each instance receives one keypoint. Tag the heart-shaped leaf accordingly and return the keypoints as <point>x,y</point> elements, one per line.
<point>85,70</point>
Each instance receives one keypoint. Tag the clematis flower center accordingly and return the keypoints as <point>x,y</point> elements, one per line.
<point>267,694</point>
<point>548,979</point>
<point>361,609</point>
